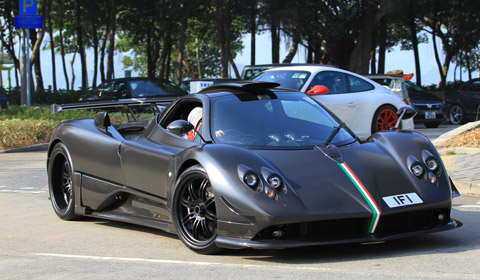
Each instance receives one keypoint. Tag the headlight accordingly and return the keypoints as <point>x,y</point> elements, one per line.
<point>275,181</point>
<point>251,180</point>
<point>417,170</point>
<point>432,164</point>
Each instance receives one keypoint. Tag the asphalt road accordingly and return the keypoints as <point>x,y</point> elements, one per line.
<point>36,244</point>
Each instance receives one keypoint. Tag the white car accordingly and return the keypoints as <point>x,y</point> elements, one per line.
<point>365,106</point>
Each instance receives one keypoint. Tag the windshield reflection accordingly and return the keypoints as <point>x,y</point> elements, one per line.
<point>267,120</point>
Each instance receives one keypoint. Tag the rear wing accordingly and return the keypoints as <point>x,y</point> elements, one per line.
<point>157,104</point>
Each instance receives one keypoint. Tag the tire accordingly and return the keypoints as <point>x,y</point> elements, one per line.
<point>60,183</point>
<point>385,118</point>
<point>456,114</point>
<point>431,124</point>
<point>194,211</point>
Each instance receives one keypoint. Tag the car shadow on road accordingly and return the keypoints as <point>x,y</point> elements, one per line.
<point>454,241</point>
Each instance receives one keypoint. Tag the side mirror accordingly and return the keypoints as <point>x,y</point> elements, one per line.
<point>102,121</point>
<point>318,90</point>
<point>179,127</point>
<point>404,113</point>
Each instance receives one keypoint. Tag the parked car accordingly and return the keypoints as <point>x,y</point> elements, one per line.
<point>269,168</point>
<point>134,88</point>
<point>250,71</point>
<point>194,86</point>
<point>463,102</point>
<point>428,106</point>
<point>364,105</point>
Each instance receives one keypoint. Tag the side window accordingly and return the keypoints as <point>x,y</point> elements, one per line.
<point>105,90</point>
<point>334,81</point>
<point>120,90</point>
<point>474,86</point>
<point>356,84</point>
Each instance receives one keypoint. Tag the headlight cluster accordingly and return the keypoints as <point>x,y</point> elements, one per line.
<point>426,169</point>
<point>267,182</point>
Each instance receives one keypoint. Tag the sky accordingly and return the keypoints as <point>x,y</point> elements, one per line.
<point>395,60</point>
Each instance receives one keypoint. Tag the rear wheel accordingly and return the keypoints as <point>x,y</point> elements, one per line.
<point>385,118</point>
<point>456,114</point>
<point>194,211</point>
<point>60,183</point>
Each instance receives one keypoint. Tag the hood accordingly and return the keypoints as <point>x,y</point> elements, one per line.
<point>324,185</point>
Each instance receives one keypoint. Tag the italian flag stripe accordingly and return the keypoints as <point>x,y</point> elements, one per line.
<point>366,195</point>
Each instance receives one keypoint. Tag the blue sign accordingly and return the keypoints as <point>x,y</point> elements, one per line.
<point>28,7</point>
<point>28,21</point>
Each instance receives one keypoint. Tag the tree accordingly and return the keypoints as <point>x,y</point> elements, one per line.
<point>456,24</point>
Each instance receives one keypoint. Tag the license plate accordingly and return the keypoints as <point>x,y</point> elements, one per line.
<point>405,199</point>
<point>430,115</point>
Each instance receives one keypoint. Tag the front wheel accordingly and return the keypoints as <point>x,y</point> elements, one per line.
<point>60,183</point>
<point>385,118</point>
<point>456,114</point>
<point>194,211</point>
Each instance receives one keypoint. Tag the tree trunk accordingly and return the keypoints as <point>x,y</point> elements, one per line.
<point>413,35</point>
<point>73,70</point>
<point>62,46</point>
<point>224,21</point>
<point>293,50</point>
<point>35,58</point>
<point>102,54</point>
<point>373,61</point>
<point>52,44</point>
<point>81,46</point>
<point>437,59</point>
<point>112,18</point>
<point>181,48</point>
<point>360,56</point>
<point>274,30</point>
<point>235,69</point>
<point>167,42</point>
<point>95,51</point>
<point>253,31</point>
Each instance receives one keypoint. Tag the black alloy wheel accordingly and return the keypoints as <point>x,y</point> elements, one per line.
<point>194,211</point>
<point>456,114</point>
<point>60,181</point>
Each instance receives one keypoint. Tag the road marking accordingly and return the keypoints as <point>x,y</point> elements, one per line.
<point>3,186</point>
<point>293,267</point>
<point>21,191</point>
<point>214,264</point>
<point>469,206</point>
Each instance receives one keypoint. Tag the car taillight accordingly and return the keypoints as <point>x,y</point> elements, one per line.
<point>406,101</point>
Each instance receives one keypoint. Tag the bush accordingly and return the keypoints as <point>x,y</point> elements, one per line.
<point>44,98</point>
<point>18,133</point>
<point>22,126</point>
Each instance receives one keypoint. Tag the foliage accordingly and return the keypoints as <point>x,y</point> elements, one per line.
<point>18,133</point>
<point>207,34</point>
<point>45,97</point>
<point>22,126</point>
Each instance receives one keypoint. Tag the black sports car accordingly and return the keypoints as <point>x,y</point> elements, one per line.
<point>249,165</point>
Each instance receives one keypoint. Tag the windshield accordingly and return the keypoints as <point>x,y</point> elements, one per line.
<point>267,120</point>
<point>286,78</point>
<point>157,87</point>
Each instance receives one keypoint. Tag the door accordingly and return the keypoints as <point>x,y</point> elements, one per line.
<point>338,100</point>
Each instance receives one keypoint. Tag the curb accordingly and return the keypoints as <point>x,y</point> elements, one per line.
<point>465,187</point>
<point>449,135</point>
<point>33,148</point>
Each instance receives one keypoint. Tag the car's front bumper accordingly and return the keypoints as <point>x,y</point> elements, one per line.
<point>238,243</point>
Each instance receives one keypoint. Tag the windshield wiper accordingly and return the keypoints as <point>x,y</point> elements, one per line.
<point>334,133</point>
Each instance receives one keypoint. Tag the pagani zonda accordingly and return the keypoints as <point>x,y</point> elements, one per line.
<point>267,168</point>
